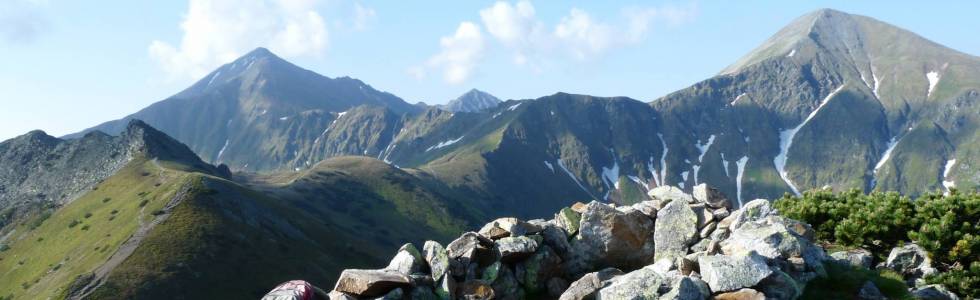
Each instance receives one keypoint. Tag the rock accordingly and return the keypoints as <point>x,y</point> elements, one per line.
<point>685,266</point>
<point>610,238</point>
<point>446,289</point>
<point>728,273</point>
<point>662,266</point>
<point>422,293</point>
<point>742,294</point>
<point>721,213</point>
<point>407,261</point>
<point>910,260</point>
<point>754,210</point>
<point>640,284</point>
<point>556,286</point>
<point>579,207</point>
<point>771,238</point>
<point>464,250</point>
<point>476,290</point>
<point>335,295</point>
<point>934,292</point>
<point>663,194</point>
<point>297,290</point>
<point>869,291</point>
<point>506,284</point>
<point>710,196</point>
<point>516,248</point>
<point>538,268</point>
<point>648,208</point>
<point>370,283</point>
<point>437,258</point>
<point>504,227</point>
<point>708,229</point>
<point>586,287</point>
<point>396,294</point>
<point>703,214</point>
<point>555,237</point>
<point>568,219</point>
<point>701,245</point>
<point>686,288</point>
<point>675,230</point>
<point>421,279</point>
<point>856,257</point>
<point>780,285</point>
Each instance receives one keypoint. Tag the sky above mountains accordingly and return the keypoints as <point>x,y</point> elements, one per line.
<point>68,65</point>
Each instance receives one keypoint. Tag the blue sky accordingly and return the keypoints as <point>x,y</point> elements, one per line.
<point>68,65</point>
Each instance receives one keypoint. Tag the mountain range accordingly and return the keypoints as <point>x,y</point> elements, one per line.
<point>287,169</point>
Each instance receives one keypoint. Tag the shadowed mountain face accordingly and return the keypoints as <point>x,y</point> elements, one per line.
<point>832,100</point>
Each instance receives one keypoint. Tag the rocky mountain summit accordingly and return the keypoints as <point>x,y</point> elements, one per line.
<point>473,101</point>
<point>673,246</point>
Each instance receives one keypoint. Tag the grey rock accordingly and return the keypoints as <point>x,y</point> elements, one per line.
<point>556,286</point>
<point>771,238</point>
<point>708,229</point>
<point>608,237</point>
<point>437,258</point>
<point>675,230</point>
<point>335,295</point>
<point>856,257</point>
<point>396,294</point>
<point>686,288</point>
<point>728,273</point>
<point>557,239</point>
<point>407,261</point>
<point>446,289</point>
<point>587,286</point>
<point>663,194</point>
<point>422,293</point>
<point>754,210</point>
<point>370,283</point>
<point>506,285</point>
<point>685,265</point>
<point>710,196</point>
<point>641,284</point>
<point>703,214</point>
<point>780,285</point>
<point>869,291</point>
<point>504,227</point>
<point>934,292</point>
<point>538,268</point>
<point>910,260</point>
<point>516,248</point>
<point>721,213</point>
<point>568,219</point>
<point>648,208</point>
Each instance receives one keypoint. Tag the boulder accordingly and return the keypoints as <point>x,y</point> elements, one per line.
<point>708,229</point>
<point>663,194</point>
<point>643,283</point>
<point>506,285</point>
<point>556,286</point>
<point>856,257</point>
<point>579,207</point>
<point>395,294</point>
<point>910,260</point>
<point>780,285</point>
<point>686,288</point>
<point>754,210</point>
<point>586,287</point>
<point>446,289</point>
<point>648,208</point>
<point>437,258</point>
<point>934,292</point>
<point>296,290</point>
<point>568,219</point>
<point>504,227</point>
<point>538,268</point>
<point>407,261</point>
<point>728,273</point>
<point>721,213</point>
<point>610,238</point>
<point>742,294</point>
<point>710,196</point>
<point>771,238</point>
<point>555,237</point>
<point>476,290</point>
<point>335,295</point>
<point>703,214</point>
<point>422,293</point>
<point>370,283</point>
<point>675,230</point>
<point>516,248</point>
<point>464,250</point>
<point>869,291</point>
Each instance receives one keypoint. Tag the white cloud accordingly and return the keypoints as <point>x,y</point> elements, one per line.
<point>218,31</point>
<point>363,16</point>
<point>516,27</point>
<point>22,21</point>
<point>459,55</point>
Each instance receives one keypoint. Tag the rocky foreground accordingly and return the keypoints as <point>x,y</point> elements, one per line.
<point>674,246</point>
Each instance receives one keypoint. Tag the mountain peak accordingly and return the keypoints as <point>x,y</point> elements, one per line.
<point>472,101</point>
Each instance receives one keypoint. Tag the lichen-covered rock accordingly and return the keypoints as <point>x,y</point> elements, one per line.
<point>642,284</point>
<point>934,292</point>
<point>771,238</point>
<point>538,268</point>
<point>608,237</point>
<point>663,194</point>
<point>516,248</point>
<point>370,283</point>
<point>754,210</point>
<point>437,258</point>
<point>856,257</point>
<point>911,260</point>
<point>728,273</point>
<point>685,288</point>
<point>742,294</point>
<point>587,286</point>
<point>446,289</point>
<point>407,261</point>
<point>780,285</point>
<point>568,220</point>
<point>676,228</point>
<point>464,250</point>
<point>506,285</point>
<point>710,196</point>
<point>504,227</point>
<point>648,208</point>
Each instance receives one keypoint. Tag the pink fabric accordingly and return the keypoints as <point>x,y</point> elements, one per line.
<point>291,290</point>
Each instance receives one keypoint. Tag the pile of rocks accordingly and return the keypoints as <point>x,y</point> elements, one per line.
<point>674,246</point>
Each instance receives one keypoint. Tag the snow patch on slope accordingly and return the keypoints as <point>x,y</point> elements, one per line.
<point>663,160</point>
<point>739,97</point>
<point>791,53</point>
<point>513,107</point>
<point>222,151</point>
<point>550,167</point>
<point>933,78</point>
<point>786,141</point>
<point>704,147</point>
<point>563,168</point>
<point>443,144</point>
<point>948,184</point>
<point>610,175</point>
<point>724,163</point>
<point>738,178</point>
